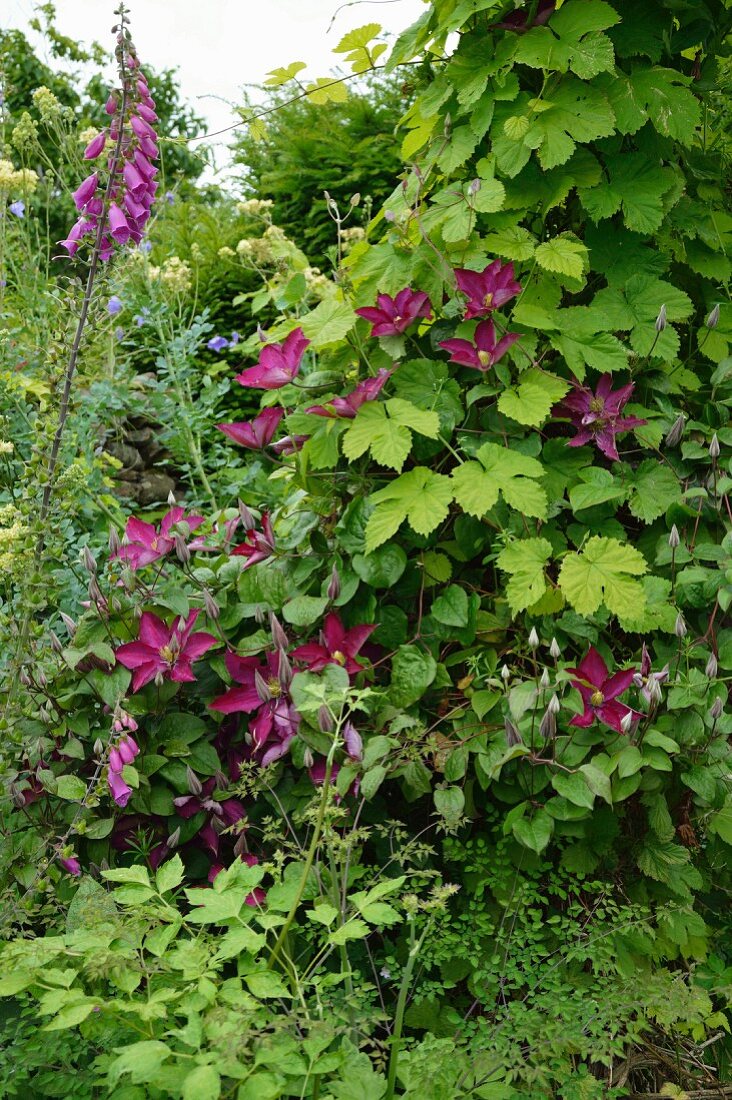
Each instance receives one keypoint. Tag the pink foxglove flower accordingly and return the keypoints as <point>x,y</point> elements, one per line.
<point>600,691</point>
<point>143,543</point>
<point>347,407</point>
<point>164,652</point>
<point>257,545</point>
<point>337,646</point>
<point>484,352</point>
<point>488,289</point>
<point>278,363</point>
<point>596,416</point>
<point>257,433</point>
<point>70,864</point>
<point>392,316</point>
<point>116,204</point>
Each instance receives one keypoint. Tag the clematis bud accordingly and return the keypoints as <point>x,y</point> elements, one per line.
<point>56,645</point>
<point>16,796</point>
<point>675,433</point>
<point>352,741</point>
<point>171,499</point>
<point>334,585</point>
<point>554,705</point>
<point>221,780</point>
<point>308,758</point>
<point>99,747</point>
<point>716,709</point>
<point>355,199</point>
<point>654,692</point>
<point>325,720</point>
<point>554,651</point>
<point>505,674</point>
<point>680,629</point>
<point>661,319</point>
<point>174,839</point>
<point>533,638</point>
<point>513,737</point>
<point>713,318</point>
<point>261,686</point>
<point>627,721</point>
<point>259,615</point>
<point>68,623</point>
<point>24,678</point>
<point>714,448</point>
<point>711,667</point>
<point>474,187</point>
<point>246,517</point>
<point>181,550</point>
<point>89,563</point>
<point>212,608</point>
<point>673,537</point>
<point>544,681</point>
<point>279,638</point>
<point>114,542</point>
<point>194,783</point>
<point>548,725</point>
<point>284,670</point>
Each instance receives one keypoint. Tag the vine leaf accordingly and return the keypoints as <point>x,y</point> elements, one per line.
<point>564,255</point>
<point>530,402</point>
<point>420,496</point>
<point>525,560</point>
<point>601,573</point>
<point>384,429</point>
<point>477,483</point>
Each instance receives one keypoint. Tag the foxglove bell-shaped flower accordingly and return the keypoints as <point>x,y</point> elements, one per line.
<point>257,433</point>
<point>85,191</point>
<point>482,353</point>
<point>337,646</point>
<point>164,651</point>
<point>347,407</point>
<point>278,363</point>
<point>488,289</point>
<point>71,865</point>
<point>392,316</point>
<point>96,146</point>
<point>600,691</point>
<point>596,416</point>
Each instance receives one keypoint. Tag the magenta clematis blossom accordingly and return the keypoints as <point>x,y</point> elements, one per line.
<point>70,864</point>
<point>289,444</point>
<point>278,363</point>
<point>221,814</point>
<point>262,690</point>
<point>337,646</point>
<point>347,407</point>
<point>257,545</point>
<point>392,316</point>
<point>164,652</point>
<point>144,543</point>
<point>649,681</point>
<point>600,692</point>
<point>257,433</point>
<point>484,352</point>
<point>488,289</point>
<point>596,416</point>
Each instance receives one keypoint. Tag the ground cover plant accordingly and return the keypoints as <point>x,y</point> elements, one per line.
<point>389,755</point>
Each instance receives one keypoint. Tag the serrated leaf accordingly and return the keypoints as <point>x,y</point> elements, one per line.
<point>531,401</point>
<point>170,874</point>
<point>498,469</point>
<point>575,112</point>
<point>563,255</point>
<point>284,74</point>
<point>655,488</point>
<point>419,496</point>
<point>600,574</point>
<point>535,832</point>
<point>329,323</point>
<point>525,560</point>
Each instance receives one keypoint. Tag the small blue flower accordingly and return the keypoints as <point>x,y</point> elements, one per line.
<point>17,208</point>
<point>114,306</point>
<point>145,246</point>
<point>119,332</point>
<point>169,198</point>
<point>234,338</point>
<point>217,343</point>
<point>139,318</point>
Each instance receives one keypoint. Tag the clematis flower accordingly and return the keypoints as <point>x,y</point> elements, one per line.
<point>347,407</point>
<point>600,692</point>
<point>337,646</point>
<point>222,814</point>
<point>649,681</point>
<point>217,343</point>
<point>484,352</point>
<point>257,433</point>
<point>278,363</point>
<point>164,652</point>
<point>488,289</point>
<point>392,316</point>
<point>264,689</point>
<point>289,444</point>
<point>596,416</point>
<point>520,22</point>
<point>257,545</point>
<point>144,543</point>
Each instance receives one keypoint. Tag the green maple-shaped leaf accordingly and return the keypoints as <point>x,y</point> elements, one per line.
<point>638,186</point>
<point>386,429</point>
<point>583,345</point>
<point>419,496</point>
<point>574,112</point>
<point>572,40</point>
<point>636,306</point>
<point>601,573</point>
<point>477,484</point>
<point>655,488</point>
<point>564,255</point>
<point>530,402</point>
<point>525,561</point>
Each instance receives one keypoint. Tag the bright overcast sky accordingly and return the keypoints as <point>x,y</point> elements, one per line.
<point>220,45</point>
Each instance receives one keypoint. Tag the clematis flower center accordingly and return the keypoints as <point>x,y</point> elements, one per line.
<point>154,543</point>
<point>597,698</point>
<point>275,687</point>
<point>597,405</point>
<point>167,654</point>
<point>339,657</point>
<point>398,319</point>
<point>484,358</point>
<point>488,300</point>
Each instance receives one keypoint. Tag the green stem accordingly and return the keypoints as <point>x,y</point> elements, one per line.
<point>396,1038</point>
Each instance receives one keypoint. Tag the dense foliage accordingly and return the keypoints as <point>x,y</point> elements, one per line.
<point>390,756</point>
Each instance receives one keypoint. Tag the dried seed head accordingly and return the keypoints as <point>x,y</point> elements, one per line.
<point>713,318</point>
<point>680,629</point>
<point>711,667</point>
<point>661,319</point>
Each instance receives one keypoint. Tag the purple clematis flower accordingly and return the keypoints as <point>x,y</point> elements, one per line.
<point>600,692</point>
<point>257,433</point>
<point>596,416</point>
<point>222,814</point>
<point>337,646</point>
<point>392,316</point>
<point>144,543</point>
<point>289,444</point>
<point>263,689</point>
<point>649,681</point>
<point>278,363</point>
<point>164,652</point>
<point>257,545</point>
<point>488,289</point>
<point>484,352</point>
<point>217,343</point>
<point>347,407</point>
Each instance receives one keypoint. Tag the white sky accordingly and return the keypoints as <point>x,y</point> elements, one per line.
<point>220,45</point>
